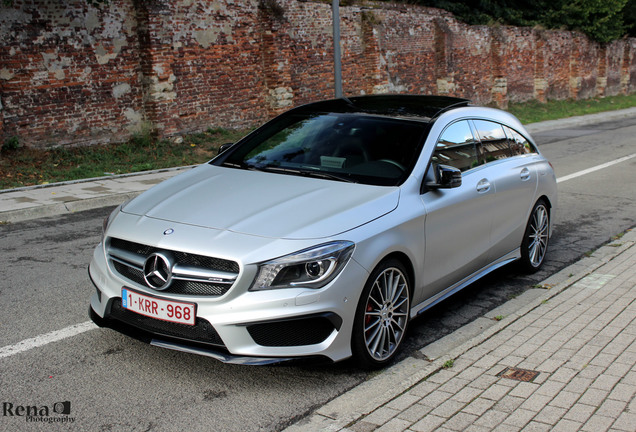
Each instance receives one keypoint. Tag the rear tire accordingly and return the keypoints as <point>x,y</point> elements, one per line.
<point>382,315</point>
<point>535,239</point>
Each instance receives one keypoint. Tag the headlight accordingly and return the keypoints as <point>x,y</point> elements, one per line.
<point>309,268</point>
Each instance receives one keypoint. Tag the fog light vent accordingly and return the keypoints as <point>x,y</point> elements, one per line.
<point>295,332</point>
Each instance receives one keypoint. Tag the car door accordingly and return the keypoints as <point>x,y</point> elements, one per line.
<point>457,228</point>
<point>513,174</point>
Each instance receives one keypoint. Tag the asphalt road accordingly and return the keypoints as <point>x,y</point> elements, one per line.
<point>115,383</point>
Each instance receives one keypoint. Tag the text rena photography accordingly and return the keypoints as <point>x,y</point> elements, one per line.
<point>58,412</point>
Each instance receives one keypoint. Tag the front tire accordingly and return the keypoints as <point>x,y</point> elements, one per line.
<point>382,315</point>
<point>535,239</point>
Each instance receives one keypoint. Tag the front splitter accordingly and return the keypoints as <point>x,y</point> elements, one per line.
<point>222,357</point>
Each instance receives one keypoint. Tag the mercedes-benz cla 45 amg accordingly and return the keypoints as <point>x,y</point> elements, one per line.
<point>323,232</point>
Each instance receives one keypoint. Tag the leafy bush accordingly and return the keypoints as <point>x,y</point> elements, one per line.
<point>12,143</point>
<point>601,20</point>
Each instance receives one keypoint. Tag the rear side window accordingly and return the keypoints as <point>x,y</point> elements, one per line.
<point>519,145</point>
<point>494,143</point>
<point>457,147</point>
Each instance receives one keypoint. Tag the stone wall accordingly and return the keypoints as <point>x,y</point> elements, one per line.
<point>73,73</point>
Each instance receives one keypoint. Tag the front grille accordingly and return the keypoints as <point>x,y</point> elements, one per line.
<point>297,332</point>
<point>181,257</point>
<point>201,332</point>
<point>197,288</point>
<point>177,286</point>
<point>130,267</point>
<point>129,272</point>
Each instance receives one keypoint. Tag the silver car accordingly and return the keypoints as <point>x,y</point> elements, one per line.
<point>323,232</point>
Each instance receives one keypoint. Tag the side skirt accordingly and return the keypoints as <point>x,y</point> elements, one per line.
<point>443,295</point>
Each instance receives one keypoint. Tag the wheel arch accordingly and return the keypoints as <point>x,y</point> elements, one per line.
<point>408,265</point>
<point>548,202</point>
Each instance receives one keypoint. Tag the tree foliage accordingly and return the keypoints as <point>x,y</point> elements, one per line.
<point>601,20</point>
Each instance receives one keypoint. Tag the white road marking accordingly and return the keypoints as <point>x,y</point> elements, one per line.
<point>596,168</point>
<point>58,335</point>
<point>45,339</point>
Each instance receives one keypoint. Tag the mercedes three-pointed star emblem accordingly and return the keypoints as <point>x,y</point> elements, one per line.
<point>158,271</point>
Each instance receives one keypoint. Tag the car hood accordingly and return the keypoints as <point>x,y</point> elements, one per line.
<point>264,204</point>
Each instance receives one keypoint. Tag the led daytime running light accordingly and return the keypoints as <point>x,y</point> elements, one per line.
<point>309,268</point>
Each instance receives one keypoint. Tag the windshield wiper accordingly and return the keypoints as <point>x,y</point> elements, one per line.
<point>243,165</point>
<point>231,165</point>
<point>292,171</point>
<point>328,175</point>
<point>314,174</point>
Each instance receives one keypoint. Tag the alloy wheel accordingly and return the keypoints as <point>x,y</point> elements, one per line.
<point>386,314</point>
<point>538,235</point>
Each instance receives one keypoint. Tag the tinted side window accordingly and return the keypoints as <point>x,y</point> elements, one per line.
<point>494,142</point>
<point>457,147</point>
<point>519,145</point>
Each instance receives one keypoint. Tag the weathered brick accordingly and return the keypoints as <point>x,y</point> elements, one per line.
<point>76,73</point>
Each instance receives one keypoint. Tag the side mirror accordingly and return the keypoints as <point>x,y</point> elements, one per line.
<point>225,147</point>
<point>446,177</point>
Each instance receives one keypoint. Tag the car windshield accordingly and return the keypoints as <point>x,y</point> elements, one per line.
<point>348,147</point>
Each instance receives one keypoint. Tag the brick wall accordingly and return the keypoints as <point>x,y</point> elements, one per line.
<point>72,73</point>
<point>69,73</point>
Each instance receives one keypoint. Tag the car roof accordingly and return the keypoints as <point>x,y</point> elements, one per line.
<point>406,106</point>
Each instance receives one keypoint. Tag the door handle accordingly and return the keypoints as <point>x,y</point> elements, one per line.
<point>525,174</point>
<point>483,186</point>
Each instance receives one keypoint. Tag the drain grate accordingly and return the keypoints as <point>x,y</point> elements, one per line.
<point>518,374</point>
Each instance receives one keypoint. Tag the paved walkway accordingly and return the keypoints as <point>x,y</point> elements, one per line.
<point>60,198</point>
<point>561,360</point>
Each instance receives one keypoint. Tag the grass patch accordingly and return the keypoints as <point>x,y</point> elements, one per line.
<point>20,166</point>
<point>533,111</point>
<point>618,236</point>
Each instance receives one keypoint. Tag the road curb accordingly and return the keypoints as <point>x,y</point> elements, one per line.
<point>94,179</point>
<point>58,209</point>
<point>401,377</point>
<point>582,120</point>
<point>73,197</point>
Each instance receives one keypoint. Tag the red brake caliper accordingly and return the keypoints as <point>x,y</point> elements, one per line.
<point>367,318</point>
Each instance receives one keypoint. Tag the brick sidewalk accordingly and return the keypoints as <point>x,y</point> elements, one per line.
<point>580,343</point>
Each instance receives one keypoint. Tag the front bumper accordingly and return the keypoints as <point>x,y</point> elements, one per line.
<point>191,347</point>
<point>242,327</point>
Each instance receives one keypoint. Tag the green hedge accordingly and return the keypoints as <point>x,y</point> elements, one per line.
<point>601,20</point>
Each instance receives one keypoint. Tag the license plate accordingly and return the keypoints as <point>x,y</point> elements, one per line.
<point>166,310</point>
